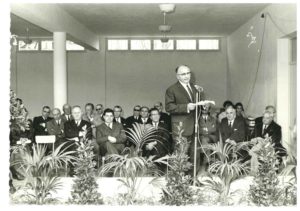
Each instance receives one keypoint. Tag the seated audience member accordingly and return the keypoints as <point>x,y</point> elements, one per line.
<point>19,101</point>
<point>144,118</point>
<point>90,116</point>
<point>56,127</point>
<point>39,123</point>
<point>232,129</point>
<point>164,117</point>
<point>222,113</point>
<point>135,117</point>
<point>240,112</point>
<point>117,116</point>
<point>271,109</point>
<point>66,116</point>
<point>269,128</point>
<point>110,135</point>
<point>208,133</point>
<point>163,145</point>
<point>99,109</point>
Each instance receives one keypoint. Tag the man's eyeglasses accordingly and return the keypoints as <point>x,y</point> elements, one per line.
<point>98,109</point>
<point>137,110</point>
<point>48,112</point>
<point>184,74</point>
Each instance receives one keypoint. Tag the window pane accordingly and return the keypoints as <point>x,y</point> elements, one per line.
<point>140,44</point>
<point>209,44</point>
<point>47,45</point>
<point>71,46</point>
<point>33,46</point>
<point>186,44</point>
<point>117,45</point>
<point>159,45</point>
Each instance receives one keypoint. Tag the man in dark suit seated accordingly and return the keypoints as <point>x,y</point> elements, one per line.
<point>39,123</point>
<point>144,118</point>
<point>110,135</point>
<point>271,109</point>
<point>76,130</point>
<point>232,129</point>
<point>117,116</point>
<point>164,117</point>
<point>56,127</point>
<point>66,116</point>
<point>135,117</point>
<point>163,145</point>
<point>269,128</point>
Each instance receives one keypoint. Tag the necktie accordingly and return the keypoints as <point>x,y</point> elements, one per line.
<point>190,92</point>
<point>58,123</point>
<point>230,124</point>
<point>264,128</point>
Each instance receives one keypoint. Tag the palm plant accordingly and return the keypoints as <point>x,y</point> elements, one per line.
<point>226,164</point>
<point>39,171</point>
<point>130,164</point>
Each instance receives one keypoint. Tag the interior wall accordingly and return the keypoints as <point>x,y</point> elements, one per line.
<point>124,78</point>
<point>243,60</point>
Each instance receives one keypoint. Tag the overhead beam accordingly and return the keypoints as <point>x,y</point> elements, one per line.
<point>54,19</point>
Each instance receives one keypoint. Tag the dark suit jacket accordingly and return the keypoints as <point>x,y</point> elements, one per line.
<point>130,121</point>
<point>58,130</point>
<point>176,100</point>
<point>166,119</point>
<point>236,132</point>
<point>72,130</point>
<point>211,125</point>
<point>123,122</point>
<point>64,118</point>
<point>38,129</point>
<point>117,131</point>
<point>273,131</point>
<point>258,120</point>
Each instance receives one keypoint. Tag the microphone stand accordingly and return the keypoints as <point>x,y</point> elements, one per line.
<point>198,110</point>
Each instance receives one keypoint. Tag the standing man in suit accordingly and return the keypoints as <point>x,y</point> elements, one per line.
<point>56,127</point>
<point>164,117</point>
<point>144,118</point>
<point>110,135</point>
<point>180,104</point>
<point>66,116</point>
<point>39,123</point>
<point>118,117</point>
<point>135,117</point>
<point>232,129</point>
<point>269,128</point>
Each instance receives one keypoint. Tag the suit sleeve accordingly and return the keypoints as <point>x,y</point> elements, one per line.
<point>122,136</point>
<point>239,134</point>
<point>171,106</point>
<point>69,133</point>
<point>100,136</point>
<point>38,129</point>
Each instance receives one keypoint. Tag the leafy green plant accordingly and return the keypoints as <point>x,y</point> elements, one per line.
<point>227,165</point>
<point>39,171</point>
<point>85,187</point>
<point>178,190</point>
<point>130,164</point>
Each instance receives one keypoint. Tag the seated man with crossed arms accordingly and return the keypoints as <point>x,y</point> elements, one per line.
<point>110,135</point>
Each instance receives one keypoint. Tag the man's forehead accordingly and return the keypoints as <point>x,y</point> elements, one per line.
<point>182,69</point>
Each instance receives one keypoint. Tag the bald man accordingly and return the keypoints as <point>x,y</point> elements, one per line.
<point>232,129</point>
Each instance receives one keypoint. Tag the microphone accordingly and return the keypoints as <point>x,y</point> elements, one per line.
<point>198,88</point>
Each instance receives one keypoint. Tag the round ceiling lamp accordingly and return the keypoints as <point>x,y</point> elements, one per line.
<point>167,8</point>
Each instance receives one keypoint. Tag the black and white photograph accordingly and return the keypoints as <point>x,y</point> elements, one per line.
<point>169,104</point>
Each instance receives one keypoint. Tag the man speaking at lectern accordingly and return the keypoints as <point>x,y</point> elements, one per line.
<point>180,103</point>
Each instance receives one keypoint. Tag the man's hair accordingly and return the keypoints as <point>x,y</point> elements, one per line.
<point>119,107</point>
<point>136,106</point>
<point>46,107</point>
<point>56,109</point>
<point>76,106</point>
<point>153,109</point>
<point>20,100</point>
<point>108,110</point>
<point>270,106</point>
<point>227,103</point>
<point>145,107</point>
<point>230,107</point>
<point>177,68</point>
<point>160,103</point>
<point>90,104</point>
<point>99,105</point>
<point>239,104</point>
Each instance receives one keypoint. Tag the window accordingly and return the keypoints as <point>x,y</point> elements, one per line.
<point>71,46</point>
<point>186,44</point>
<point>209,44</point>
<point>31,45</point>
<point>140,45</point>
<point>47,45</point>
<point>159,45</point>
<point>113,45</point>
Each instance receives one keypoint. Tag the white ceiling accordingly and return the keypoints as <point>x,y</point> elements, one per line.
<point>143,19</point>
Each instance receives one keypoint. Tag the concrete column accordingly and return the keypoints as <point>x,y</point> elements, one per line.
<point>59,69</point>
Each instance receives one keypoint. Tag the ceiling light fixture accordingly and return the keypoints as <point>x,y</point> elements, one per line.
<point>165,28</point>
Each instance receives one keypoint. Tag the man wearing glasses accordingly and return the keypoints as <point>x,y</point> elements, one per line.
<point>40,122</point>
<point>99,109</point>
<point>180,103</point>
<point>135,117</point>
